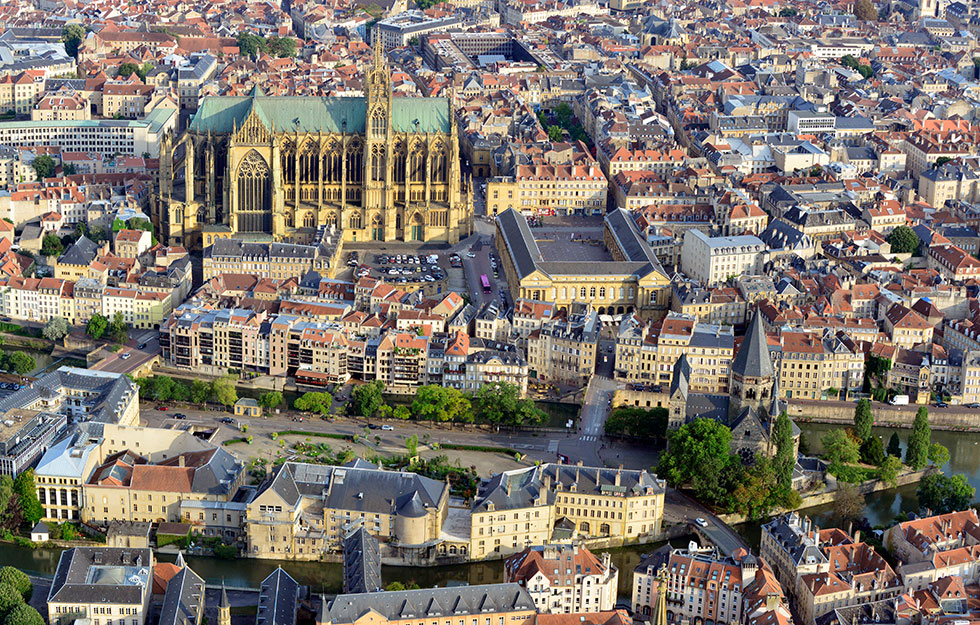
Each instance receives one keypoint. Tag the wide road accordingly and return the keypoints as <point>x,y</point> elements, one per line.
<point>679,509</point>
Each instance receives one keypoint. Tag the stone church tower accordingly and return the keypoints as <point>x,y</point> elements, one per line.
<point>753,375</point>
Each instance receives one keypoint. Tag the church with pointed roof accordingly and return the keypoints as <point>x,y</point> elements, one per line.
<point>294,169</point>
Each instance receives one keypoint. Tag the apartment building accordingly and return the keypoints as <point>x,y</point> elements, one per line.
<point>24,435</point>
<point>302,510</point>
<point>712,260</point>
<point>700,584</point>
<point>516,509</point>
<point>549,190</point>
<point>79,394</point>
<point>497,604</point>
<point>18,92</point>
<point>648,353</point>
<point>269,260</point>
<point>856,574</point>
<point>810,364</point>
<point>919,540</point>
<point>564,350</point>
<point>950,181</point>
<point>793,546</point>
<point>131,243</point>
<point>906,327</point>
<point>127,100</point>
<point>953,263</point>
<point>105,137</point>
<point>564,578</point>
<point>102,583</point>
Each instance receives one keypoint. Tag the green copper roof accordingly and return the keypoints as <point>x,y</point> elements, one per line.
<point>221,114</point>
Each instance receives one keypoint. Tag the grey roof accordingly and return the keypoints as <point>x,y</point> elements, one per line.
<point>81,252</point>
<point>681,379</point>
<point>791,533</point>
<point>431,602</point>
<point>110,392</point>
<point>183,602</point>
<point>278,597</point>
<point>780,235</point>
<point>102,575</point>
<point>353,488</point>
<point>237,248</point>
<point>752,359</point>
<point>524,488</point>
<point>519,241</point>
<point>362,562</point>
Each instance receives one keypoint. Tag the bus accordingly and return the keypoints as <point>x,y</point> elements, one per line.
<point>485,283</point>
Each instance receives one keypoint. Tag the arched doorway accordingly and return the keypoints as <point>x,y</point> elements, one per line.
<point>417,232</point>
<point>583,528</point>
<point>604,529</point>
<point>377,229</point>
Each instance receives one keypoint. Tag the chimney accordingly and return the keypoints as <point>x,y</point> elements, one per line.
<point>180,460</point>
<point>857,536</point>
<point>619,474</point>
<point>507,487</point>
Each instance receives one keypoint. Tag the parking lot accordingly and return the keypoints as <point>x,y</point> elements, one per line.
<point>398,268</point>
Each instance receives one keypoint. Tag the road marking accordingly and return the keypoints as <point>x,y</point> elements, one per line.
<point>552,446</point>
<point>588,438</point>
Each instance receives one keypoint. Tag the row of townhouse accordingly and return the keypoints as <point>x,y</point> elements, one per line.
<point>42,299</point>
<point>698,585</point>
<point>331,352</point>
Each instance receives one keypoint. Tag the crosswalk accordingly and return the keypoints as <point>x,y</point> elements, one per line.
<point>552,446</point>
<point>588,437</point>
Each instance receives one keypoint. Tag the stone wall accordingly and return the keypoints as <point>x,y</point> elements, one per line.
<point>886,415</point>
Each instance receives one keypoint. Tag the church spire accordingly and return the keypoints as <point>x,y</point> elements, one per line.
<point>753,360</point>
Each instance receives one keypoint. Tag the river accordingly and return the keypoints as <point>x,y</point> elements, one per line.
<point>964,449</point>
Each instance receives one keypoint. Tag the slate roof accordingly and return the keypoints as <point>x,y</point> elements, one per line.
<point>430,602</point>
<point>72,582</point>
<point>278,597</point>
<point>354,488</point>
<point>522,488</point>
<point>300,114</point>
<point>82,252</point>
<point>112,391</point>
<point>362,562</point>
<point>752,359</point>
<point>184,599</point>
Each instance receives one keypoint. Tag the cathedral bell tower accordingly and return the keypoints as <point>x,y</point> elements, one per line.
<point>377,153</point>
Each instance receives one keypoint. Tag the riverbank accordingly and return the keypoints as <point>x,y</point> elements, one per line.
<point>827,496</point>
<point>953,418</point>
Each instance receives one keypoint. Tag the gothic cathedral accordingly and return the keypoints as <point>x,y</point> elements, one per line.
<point>373,168</point>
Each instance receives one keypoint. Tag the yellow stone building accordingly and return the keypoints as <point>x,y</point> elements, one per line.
<point>630,279</point>
<point>376,168</point>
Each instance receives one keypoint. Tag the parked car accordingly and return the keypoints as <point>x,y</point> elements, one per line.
<point>179,415</point>
<point>372,426</point>
<point>227,420</point>
<point>701,522</point>
<point>387,428</point>
<point>941,404</point>
<point>126,355</point>
<point>162,408</point>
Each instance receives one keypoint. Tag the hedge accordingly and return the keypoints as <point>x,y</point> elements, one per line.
<point>343,437</point>
<point>493,450</point>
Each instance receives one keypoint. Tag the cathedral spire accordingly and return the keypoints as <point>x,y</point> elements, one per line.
<point>379,54</point>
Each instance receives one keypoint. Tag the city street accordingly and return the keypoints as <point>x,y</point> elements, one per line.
<point>119,362</point>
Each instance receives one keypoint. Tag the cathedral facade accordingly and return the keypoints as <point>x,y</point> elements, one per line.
<point>373,168</point>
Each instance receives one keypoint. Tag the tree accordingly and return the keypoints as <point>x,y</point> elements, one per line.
<point>314,402</point>
<point>250,44</point>
<point>872,451</point>
<point>638,423</point>
<point>224,390</point>
<point>500,403</point>
<point>865,11</point>
<point>438,403</point>
<point>917,448</point>
<point>863,420</point>
<point>787,12</point>
<point>839,447</point>
<point>180,392</point>
<point>366,399</point>
<point>943,494</point>
<point>56,329</point>
<point>23,614</point>
<point>118,330</point>
<point>26,490</point>
<point>127,69</point>
<point>402,412</point>
<point>699,453</point>
<point>272,400</point>
<point>200,391</point>
<point>19,362</point>
<point>51,245</point>
<point>19,580</point>
<point>938,455</point>
<point>283,47</point>
<point>44,166</point>
<point>942,160</point>
<point>895,446</point>
<point>10,598</point>
<point>903,240</point>
<point>72,36</point>
<point>162,388</point>
<point>555,133</point>
<point>412,445</point>
<point>848,60</point>
<point>848,502</point>
<point>866,71</point>
<point>888,472</point>
<point>97,326</point>
<point>785,458</point>
<point>8,504</point>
